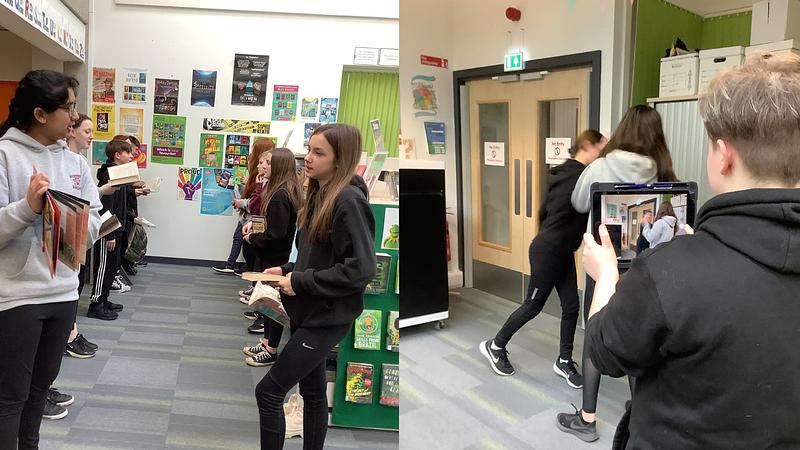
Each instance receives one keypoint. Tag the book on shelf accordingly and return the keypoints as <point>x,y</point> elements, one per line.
<point>393,331</point>
<point>267,300</point>
<point>259,224</point>
<point>390,385</point>
<point>65,230</point>
<point>380,283</point>
<point>123,174</point>
<point>358,388</point>
<point>108,224</point>
<point>367,334</point>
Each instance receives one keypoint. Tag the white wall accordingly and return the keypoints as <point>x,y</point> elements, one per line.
<point>305,50</point>
<point>16,56</point>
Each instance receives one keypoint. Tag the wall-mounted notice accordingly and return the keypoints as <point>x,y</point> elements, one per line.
<point>104,123</point>
<point>424,95</point>
<point>102,85</point>
<point>557,150</point>
<point>284,103</point>
<point>190,180</point>
<point>494,154</point>
<point>169,137</point>
<point>211,150</point>
<point>236,126</point>
<point>237,149</point>
<point>389,57</point>
<point>166,97</point>
<point>204,87</point>
<point>327,110</point>
<point>249,79</point>
<point>366,56</point>
<point>217,192</point>
<point>309,109</point>
<point>134,86</point>
<point>131,122</point>
<point>434,133</point>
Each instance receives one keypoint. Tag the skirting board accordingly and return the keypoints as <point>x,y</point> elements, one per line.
<point>184,261</point>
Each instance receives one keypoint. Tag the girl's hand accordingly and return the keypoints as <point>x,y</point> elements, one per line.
<point>285,285</point>
<point>274,271</point>
<point>38,185</point>
<point>247,228</point>
<point>246,238</point>
<point>599,260</point>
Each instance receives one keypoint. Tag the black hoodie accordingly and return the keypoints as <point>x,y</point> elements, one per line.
<point>329,277</point>
<point>560,226</point>
<point>709,325</point>
<point>116,202</point>
<point>274,246</point>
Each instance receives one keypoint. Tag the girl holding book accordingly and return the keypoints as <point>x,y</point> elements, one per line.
<point>278,206</point>
<point>37,309</point>
<point>323,292</point>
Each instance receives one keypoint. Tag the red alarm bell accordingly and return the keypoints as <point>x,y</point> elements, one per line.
<point>513,14</point>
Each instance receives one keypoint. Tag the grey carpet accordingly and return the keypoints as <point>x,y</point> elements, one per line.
<point>451,396</point>
<point>170,372</point>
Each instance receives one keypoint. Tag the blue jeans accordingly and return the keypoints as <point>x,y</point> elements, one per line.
<point>236,247</point>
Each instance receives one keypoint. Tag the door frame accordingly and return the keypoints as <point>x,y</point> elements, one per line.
<point>461,77</point>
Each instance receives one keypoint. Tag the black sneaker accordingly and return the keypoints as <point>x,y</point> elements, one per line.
<point>86,343</point>
<point>116,307</point>
<point>254,350</point>
<point>101,311</point>
<point>238,271</point>
<point>77,349</point>
<point>258,326</point>
<point>246,292</point>
<point>250,315</point>
<point>574,424</point>
<point>568,370</point>
<point>262,359</point>
<point>227,270</point>
<point>58,398</point>
<point>497,358</point>
<point>53,411</point>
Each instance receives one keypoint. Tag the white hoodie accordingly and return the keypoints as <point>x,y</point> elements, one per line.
<point>24,271</point>
<point>661,231</point>
<point>618,166</point>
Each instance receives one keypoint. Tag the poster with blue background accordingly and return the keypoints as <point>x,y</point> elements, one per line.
<point>218,192</point>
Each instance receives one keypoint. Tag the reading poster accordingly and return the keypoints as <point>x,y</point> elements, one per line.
<point>204,87</point>
<point>169,136</point>
<point>217,187</point>
<point>249,80</point>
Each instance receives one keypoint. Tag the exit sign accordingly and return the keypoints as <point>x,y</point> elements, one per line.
<point>514,61</point>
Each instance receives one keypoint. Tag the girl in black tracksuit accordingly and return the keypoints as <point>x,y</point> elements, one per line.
<point>552,263</point>
<point>278,204</point>
<point>323,292</point>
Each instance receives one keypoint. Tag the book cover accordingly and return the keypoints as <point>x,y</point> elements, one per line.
<point>123,174</point>
<point>51,218</point>
<point>359,383</point>
<point>259,224</point>
<point>390,385</point>
<point>368,330</point>
<point>393,331</point>
<point>380,283</point>
<point>267,300</point>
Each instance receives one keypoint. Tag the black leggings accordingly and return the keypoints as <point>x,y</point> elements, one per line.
<point>33,339</point>
<point>591,376</point>
<point>548,270</point>
<point>303,362</point>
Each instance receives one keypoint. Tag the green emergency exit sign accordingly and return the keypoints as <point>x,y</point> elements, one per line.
<point>514,61</point>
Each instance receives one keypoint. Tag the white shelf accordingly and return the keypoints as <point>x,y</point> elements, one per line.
<point>682,98</point>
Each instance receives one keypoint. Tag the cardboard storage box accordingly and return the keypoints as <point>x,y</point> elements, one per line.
<point>678,75</point>
<point>713,61</point>
<point>775,20</point>
<point>790,45</point>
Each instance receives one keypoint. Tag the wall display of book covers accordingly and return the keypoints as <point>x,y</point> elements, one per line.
<point>169,136</point>
<point>211,150</point>
<point>284,103</point>
<point>237,152</point>
<point>134,86</point>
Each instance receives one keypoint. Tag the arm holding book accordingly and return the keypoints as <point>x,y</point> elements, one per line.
<point>18,215</point>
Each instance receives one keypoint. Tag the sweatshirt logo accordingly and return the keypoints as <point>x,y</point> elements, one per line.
<point>76,182</point>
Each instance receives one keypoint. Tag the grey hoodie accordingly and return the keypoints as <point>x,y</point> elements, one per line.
<point>618,166</point>
<point>24,273</point>
<point>661,231</point>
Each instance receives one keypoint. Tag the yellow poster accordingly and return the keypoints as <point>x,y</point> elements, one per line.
<point>131,122</point>
<point>104,123</point>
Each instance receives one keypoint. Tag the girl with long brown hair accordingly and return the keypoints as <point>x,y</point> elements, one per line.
<point>663,228</point>
<point>278,204</point>
<point>251,184</point>
<point>323,292</point>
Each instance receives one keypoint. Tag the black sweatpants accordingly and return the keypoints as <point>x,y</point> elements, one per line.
<point>303,362</point>
<point>550,269</point>
<point>272,330</point>
<point>33,338</point>
<point>106,266</point>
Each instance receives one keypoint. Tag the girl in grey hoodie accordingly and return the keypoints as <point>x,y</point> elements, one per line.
<point>664,228</point>
<point>636,153</point>
<point>36,310</point>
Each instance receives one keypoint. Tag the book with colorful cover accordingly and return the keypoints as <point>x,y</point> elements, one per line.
<point>390,385</point>
<point>380,283</point>
<point>393,332</point>
<point>358,387</point>
<point>368,330</point>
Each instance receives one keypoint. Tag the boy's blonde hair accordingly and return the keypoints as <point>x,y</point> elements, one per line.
<point>756,107</point>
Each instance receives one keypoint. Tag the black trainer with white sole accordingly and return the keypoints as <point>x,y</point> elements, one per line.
<point>227,270</point>
<point>58,398</point>
<point>77,349</point>
<point>52,411</point>
<point>569,371</point>
<point>250,315</point>
<point>262,359</point>
<point>574,424</point>
<point>498,359</point>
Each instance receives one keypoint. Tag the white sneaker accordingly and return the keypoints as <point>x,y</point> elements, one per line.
<point>254,350</point>
<point>118,287</point>
<point>144,222</point>
<point>294,418</point>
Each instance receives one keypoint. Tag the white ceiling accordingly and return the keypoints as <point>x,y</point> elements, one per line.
<point>713,7</point>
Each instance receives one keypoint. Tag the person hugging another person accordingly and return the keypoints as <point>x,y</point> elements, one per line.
<point>664,228</point>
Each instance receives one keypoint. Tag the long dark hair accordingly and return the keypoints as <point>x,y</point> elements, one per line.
<point>666,209</point>
<point>640,131</point>
<point>282,176</point>
<point>591,136</point>
<point>346,142</point>
<point>259,147</point>
<point>45,89</point>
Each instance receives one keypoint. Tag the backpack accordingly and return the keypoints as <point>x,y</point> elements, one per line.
<point>137,244</point>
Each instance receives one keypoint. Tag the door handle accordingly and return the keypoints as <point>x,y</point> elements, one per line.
<point>516,187</point>
<point>528,188</point>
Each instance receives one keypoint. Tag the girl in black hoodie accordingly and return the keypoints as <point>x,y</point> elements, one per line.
<point>278,204</point>
<point>323,292</point>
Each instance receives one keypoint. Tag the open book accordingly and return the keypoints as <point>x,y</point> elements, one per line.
<point>123,174</point>
<point>108,223</point>
<point>259,276</point>
<point>266,300</point>
<point>65,230</point>
<point>153,185</point>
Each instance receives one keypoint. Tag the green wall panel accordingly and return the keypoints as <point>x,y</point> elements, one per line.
<point>371,95</point>
<point>726,31</point>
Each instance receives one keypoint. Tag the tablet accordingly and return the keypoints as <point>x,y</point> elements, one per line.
<point>623,207</point>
